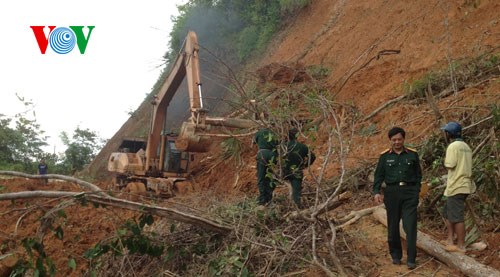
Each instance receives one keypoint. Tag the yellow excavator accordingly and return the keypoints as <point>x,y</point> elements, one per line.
<point>163,159</point>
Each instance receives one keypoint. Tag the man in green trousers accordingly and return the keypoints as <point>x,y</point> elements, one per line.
<point>298,157</point>
<point>267,142</point>
<point>399,168</point>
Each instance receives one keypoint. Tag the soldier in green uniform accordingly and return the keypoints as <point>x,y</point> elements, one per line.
<point>298,157</point>
<point>399,168</point>
<point>267,142</point>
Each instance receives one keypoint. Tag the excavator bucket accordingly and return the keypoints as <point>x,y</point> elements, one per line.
<point>190,141</point>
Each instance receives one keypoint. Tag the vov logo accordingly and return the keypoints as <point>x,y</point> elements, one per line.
<point>61,39</point>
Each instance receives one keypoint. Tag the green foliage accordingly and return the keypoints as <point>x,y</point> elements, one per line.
<point>471,3</point>
<point>495,112</point>
<point>292,6</point>
<point>472,231</point>
<point>231,149</point>
<point>82,147</point>
<point>59,233</point>
<point>318,72</point>
<point>39,262</point>
<point>230,262</point>
<point>129,237</point>
<point>21,146</point>
<point>418,87</point>
<point>464,72</point>
<point>8,139</point>
<point>247,41</point>
<point>22,140</point>
<point>221,24</point>
<point>72,263</point>
<point>368,130</point>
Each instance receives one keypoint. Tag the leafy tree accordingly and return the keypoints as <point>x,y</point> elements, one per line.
<point>82,147</point>
<point>223,24</point>
<point>30,141</point>
<point>8,137</point>
<point>21,146</point>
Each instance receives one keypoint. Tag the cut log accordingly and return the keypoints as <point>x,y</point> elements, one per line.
<point>464,263</point>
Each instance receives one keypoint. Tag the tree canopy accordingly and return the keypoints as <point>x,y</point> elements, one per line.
<point>22,142</point>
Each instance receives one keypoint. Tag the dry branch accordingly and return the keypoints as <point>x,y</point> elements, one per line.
<point>386,104</point>
<point>432,103</point>
<point>353,216</point>
<point>323,208</point>
<point>120,203</point>
<point>464,263</point>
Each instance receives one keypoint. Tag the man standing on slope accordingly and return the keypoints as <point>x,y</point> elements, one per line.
<point>459,185</point>
<point>298,157</point>
<point>42,170</point>
<point>399,168</point>
<point>267,142</point>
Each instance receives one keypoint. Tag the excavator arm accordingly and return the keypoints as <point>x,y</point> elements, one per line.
<point>185,65</point>
<point>189,139</point>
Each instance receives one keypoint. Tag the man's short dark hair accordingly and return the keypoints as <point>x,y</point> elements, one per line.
<point>396,130</point>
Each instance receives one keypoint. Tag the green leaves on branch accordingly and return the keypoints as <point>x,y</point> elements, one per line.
<point>129,238</point>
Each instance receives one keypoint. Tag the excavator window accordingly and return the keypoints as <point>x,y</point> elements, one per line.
<point>175,161</point>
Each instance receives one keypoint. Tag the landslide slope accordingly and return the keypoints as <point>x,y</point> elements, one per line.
<point>343,36</point>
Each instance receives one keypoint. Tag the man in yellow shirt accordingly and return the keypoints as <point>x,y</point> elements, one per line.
<point>459,185</point>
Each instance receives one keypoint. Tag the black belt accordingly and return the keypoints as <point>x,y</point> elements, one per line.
<point>402,184</point>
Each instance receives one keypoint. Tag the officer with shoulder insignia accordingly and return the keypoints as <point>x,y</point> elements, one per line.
<point>399,168</point>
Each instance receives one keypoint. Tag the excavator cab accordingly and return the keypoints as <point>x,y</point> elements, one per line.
<point>176,161</point>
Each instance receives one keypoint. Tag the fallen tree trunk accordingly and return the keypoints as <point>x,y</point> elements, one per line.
<point>81,183</point>
<point>464,263</point>
<point>120,203</point>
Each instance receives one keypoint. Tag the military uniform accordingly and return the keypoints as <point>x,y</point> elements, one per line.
<point>267,154</point>
<point>402,175</point>
<point>296,162</point>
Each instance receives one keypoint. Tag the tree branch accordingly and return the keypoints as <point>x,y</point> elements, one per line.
<point>120,203</point>
<point>81,183</point>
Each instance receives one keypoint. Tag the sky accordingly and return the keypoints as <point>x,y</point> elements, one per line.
<point>94,90</point>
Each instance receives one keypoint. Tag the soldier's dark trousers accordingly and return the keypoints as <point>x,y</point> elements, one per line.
<point>296,183</point>
<point>401,203</point>
<point>266,185</point>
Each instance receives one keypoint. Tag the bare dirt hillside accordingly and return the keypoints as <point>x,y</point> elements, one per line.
<point>372,51</point>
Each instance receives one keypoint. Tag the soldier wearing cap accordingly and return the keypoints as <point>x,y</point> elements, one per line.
<point>459,185</point>
<point>399,168</point>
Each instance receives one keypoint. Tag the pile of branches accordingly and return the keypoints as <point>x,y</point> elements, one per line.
<point>276,241</point>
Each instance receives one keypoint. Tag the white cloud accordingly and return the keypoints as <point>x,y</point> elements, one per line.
<point>95,90</point>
